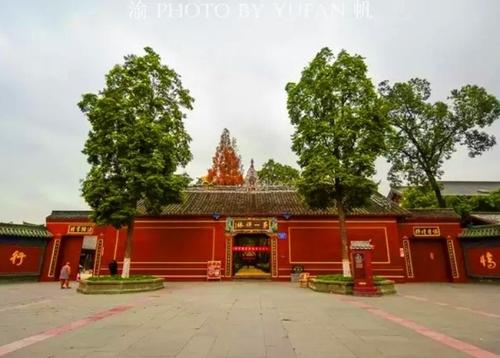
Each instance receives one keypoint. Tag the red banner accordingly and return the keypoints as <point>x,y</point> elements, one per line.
<point>250,248</point>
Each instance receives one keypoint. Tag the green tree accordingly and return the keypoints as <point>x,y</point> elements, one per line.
<point>426,134</point>
<point>339,132</point>
<point>418,197</point>
<point>136,143</point>
<point>424,197</point>
<point>274,173</point>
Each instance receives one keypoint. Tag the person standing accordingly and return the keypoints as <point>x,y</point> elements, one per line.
<point>113,268</point>
<point>64,275</point>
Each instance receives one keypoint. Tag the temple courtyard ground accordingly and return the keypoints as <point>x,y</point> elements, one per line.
<point>250,319</point>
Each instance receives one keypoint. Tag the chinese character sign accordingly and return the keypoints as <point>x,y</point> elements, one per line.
<point>483,261</point>
<point>80,229</point>
<point>251,224</point>
<point>17,258</point>
<point>487,261</point>
<point>426,231</point>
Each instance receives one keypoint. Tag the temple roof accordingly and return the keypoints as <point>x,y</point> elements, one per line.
<point>434,213</point>
<point>486,217</point>
<point>206,200</point>
<point>264,201</point>
<point>23,230</point>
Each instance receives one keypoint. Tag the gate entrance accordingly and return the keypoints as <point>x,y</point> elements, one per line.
<point>430,261</point>
<point>251,256</point>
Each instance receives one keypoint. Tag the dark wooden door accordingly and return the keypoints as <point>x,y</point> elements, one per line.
<point>430,261</point>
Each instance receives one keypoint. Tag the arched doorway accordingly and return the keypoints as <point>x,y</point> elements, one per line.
<point>251,256</point>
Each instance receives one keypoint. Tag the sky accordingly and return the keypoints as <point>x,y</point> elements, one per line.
<point>235,57</point>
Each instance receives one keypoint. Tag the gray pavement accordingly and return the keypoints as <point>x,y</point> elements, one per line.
<point>252,319</point>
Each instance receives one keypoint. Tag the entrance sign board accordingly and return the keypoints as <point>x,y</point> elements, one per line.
<point>80,229</point>
<point>251,225</point>
<point>426,231</point>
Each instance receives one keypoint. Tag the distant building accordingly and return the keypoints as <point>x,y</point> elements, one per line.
<point>452,188</point>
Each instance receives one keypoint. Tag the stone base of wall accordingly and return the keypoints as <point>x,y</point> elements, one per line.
<point>116,286</point>
<point>19,278</point>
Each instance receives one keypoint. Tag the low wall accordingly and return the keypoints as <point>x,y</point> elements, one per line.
<point>118,286</point>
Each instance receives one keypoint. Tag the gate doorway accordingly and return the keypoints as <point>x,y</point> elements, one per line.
<point>252,256</point>
<point>430,260</point>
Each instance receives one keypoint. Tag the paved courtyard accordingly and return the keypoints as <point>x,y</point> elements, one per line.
<point>250,319</point>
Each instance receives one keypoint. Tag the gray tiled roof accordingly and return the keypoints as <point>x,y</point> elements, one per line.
<point>486,217</point>
<point>70,215</point>
<point>238,201</point>
<point>438,213</point>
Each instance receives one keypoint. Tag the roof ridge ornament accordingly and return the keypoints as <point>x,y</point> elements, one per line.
<point>251,178</point>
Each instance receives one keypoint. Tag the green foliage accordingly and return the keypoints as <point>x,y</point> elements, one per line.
<point>274,173</point>
<point>420,197</point>
<point>426,134</point>
<point>339,130</point>
<point>137,140</point>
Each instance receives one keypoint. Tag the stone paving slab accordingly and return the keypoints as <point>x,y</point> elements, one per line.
<point>249,319</point>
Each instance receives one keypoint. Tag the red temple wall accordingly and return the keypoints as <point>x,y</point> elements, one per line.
<point>21,258</point>
<point>315,245</point>
<point>69,247</point>
<point>178,248</point>
<point>174,249</point>
<point>482,257</point>
<point>434,258</point>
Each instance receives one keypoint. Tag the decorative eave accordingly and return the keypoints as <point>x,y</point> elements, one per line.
<point>483,231</point>
<point>8,230</point>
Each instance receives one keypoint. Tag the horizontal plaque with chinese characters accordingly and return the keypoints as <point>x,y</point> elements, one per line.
<point>80,229</point>
<point>426,231</point>
<point>251,224</point>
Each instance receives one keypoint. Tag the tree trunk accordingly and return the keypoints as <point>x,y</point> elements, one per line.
<point>128,250</point>
<point>437,191</point>
<point>346,267</point>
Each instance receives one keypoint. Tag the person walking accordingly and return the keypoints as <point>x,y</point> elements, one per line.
<point>64,275</point>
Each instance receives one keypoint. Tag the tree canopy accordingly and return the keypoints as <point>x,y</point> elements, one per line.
<point>274,173</point>
<point>426,134</point>
<point>226,163</point>
<point>136,142</point>
<point>339,132</point>
<point>423,197</point>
